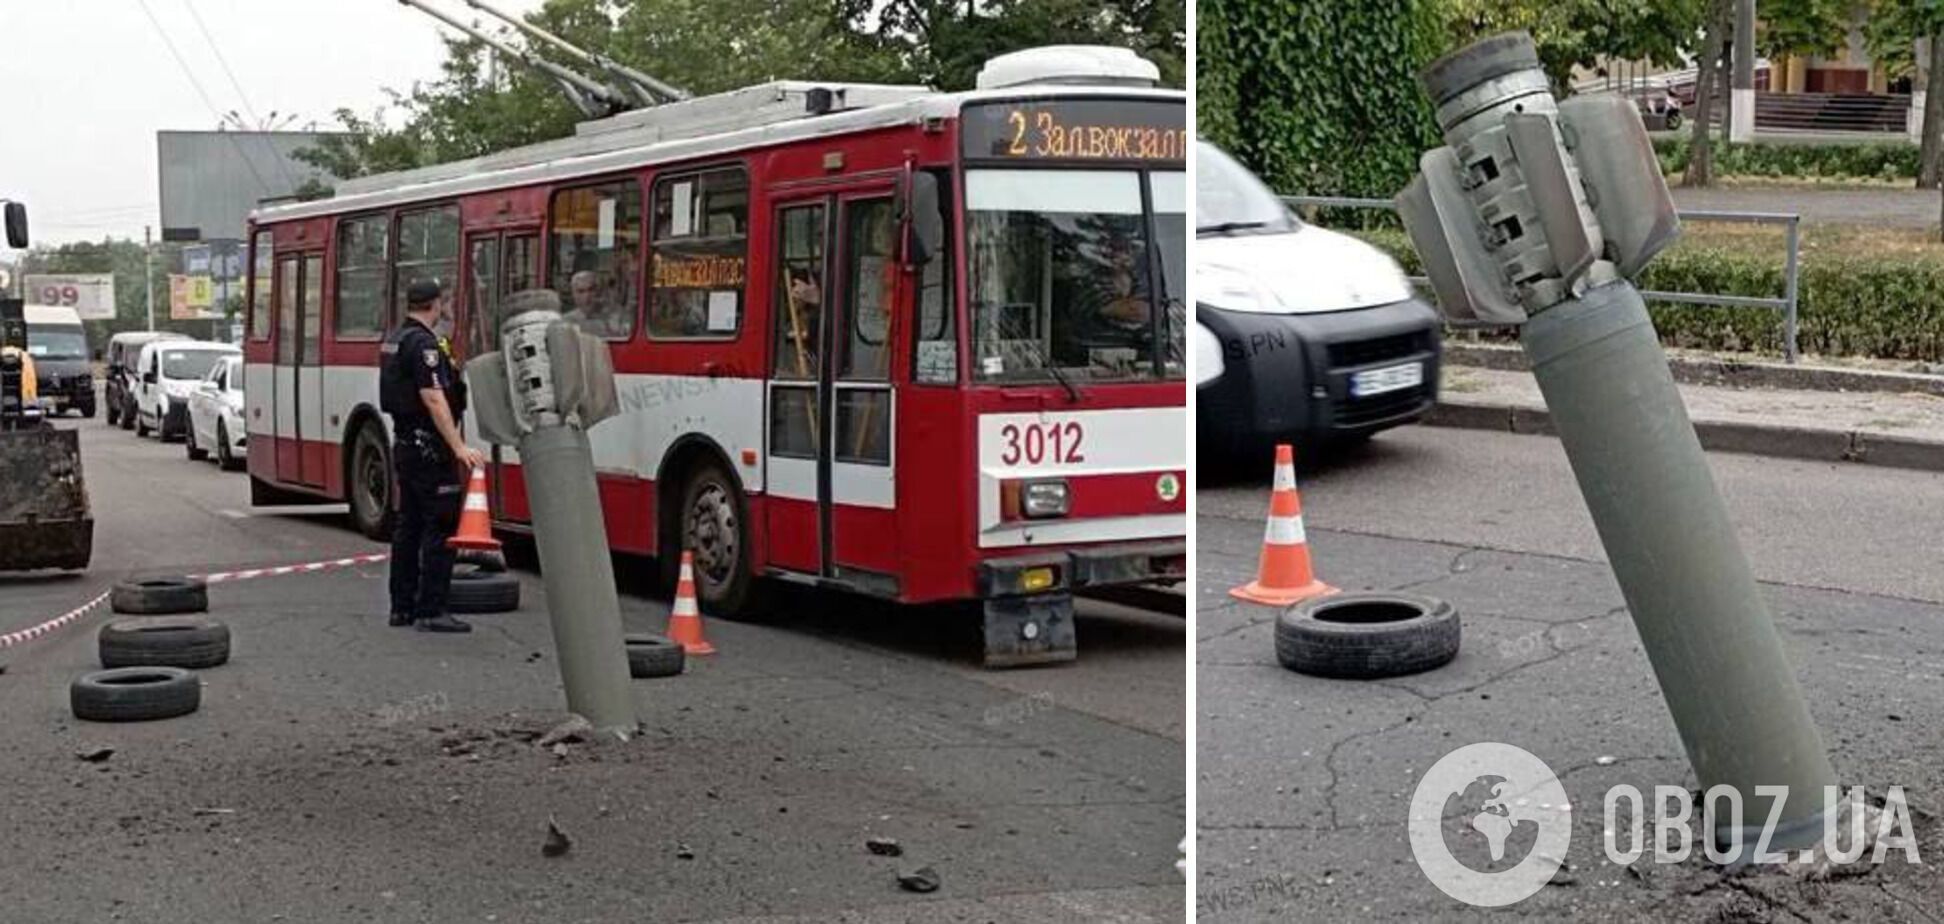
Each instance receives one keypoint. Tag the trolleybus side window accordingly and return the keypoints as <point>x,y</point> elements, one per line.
<point>522,263</point>
<point>596,242</point>
<point>483,295</point>
<point>1169,193</point>
<point>262,258</point>
<point>799,331</point>
<point>428,248</point>
<point>935,358</point>
<point>863,415</point>
<point>701,249</point>
<point>363,248</point>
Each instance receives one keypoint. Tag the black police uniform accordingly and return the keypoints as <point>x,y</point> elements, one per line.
<point>431,489</point>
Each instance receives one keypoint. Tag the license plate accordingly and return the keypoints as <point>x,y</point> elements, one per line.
<point>1390,378</point>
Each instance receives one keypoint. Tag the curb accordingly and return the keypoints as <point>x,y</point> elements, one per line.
<point>1818,445</point>
<point>1704,370</point>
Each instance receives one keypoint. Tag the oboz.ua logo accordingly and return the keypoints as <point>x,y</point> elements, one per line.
<point>1490,824</point>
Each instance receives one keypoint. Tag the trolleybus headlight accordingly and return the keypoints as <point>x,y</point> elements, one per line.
<point>1041,500</point>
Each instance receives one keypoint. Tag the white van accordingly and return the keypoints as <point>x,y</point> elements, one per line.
<point>1302,335</point>
<point>166,374</point>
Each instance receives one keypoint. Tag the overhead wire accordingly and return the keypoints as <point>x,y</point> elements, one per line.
<point>237,85</point>
<point>187,72</point>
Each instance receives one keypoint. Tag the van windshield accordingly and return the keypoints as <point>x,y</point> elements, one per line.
<point>189,364</point>
<point>1231,200</point>
<point>56,341</point>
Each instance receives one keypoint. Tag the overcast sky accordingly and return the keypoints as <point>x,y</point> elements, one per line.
<point>86,84</point>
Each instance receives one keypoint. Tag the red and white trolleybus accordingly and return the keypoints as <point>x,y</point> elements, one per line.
<point>924,346</point>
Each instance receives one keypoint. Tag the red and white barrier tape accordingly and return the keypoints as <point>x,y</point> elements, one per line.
<point>218,577</point>
<point>33,632</point>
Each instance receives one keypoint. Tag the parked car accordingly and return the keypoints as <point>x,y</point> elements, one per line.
<point>1302,334</point>
<point>1659,109</point>
<point>169,371</point>
<point>118,394</point>
<point>62,363</point>
<point>216,415</point>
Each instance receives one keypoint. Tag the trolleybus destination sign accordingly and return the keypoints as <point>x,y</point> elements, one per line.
<point>1077,129</point>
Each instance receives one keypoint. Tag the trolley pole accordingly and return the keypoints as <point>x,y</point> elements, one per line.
<point>1534,216</point>
<point>546,386</point>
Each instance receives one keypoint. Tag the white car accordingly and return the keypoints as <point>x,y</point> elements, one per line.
<point>166,373</point>
<point>216,415</point>
<point>1302,335</point>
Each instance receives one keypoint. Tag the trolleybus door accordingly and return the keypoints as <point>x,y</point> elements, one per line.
<point>831,406</point>
<point>298,406</point>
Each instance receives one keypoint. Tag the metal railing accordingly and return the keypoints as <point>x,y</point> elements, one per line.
<point>1791,266</point>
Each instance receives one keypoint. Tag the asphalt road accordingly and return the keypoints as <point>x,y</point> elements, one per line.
<point>1305,783</point>
<point>343,770</point>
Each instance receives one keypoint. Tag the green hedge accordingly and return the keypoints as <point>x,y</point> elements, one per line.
<point>1862,306</point>
<point>1883,160</point>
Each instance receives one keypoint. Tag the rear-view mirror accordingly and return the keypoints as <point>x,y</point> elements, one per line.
<point>16,220</point>
<point>924,223</point>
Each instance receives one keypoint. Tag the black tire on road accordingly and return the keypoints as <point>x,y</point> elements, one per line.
<point>192,642</point>
<point>114,413</point>
<point>141,429</point>
<point>654,656</point>
<point>128,413</point>
<point>369,482</point>
<point>87,411</point>
<point>1367,635</point>
<point>160,596</point>
<point>475,591</point>
<point>134,694</point>
<point>189,444</point>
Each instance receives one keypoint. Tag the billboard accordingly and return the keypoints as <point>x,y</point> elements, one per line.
<point>190,297</point>
<point>211,181</point>
<point>91,295</point>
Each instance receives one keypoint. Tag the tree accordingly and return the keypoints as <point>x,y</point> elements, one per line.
<point>1323,98</point>
<point>124,259</point>
<point>1893,31</point>
<point>1581,34</point>
<point>1710,60</point>
<point>479,104</point>
<point>1801,27</point>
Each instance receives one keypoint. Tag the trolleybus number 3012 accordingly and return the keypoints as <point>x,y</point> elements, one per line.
<point>1031,442</point>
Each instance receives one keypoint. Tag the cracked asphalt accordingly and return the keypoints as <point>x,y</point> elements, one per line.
<point>343,770</point>
<point>1304,783</point>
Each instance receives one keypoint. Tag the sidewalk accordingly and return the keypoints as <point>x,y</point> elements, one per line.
<point>1902,426</point>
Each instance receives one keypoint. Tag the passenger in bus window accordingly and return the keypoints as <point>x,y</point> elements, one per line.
<point>593,310</point>
<point>802,333</point>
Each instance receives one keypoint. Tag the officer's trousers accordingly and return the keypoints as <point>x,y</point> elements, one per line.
<point>430,497</point>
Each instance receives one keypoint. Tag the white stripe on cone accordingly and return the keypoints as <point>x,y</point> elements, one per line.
<point>1285,477</point>
<point>1284,531</point>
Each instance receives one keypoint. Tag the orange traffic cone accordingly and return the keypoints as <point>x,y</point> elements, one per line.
<point>1284,576</point>
<point>475,520</point>
<point>685,620</point>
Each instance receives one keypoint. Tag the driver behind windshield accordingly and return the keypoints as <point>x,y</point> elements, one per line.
<point>1111,320</point>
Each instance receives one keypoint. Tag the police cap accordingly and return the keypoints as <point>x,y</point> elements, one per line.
<point>422,292</point>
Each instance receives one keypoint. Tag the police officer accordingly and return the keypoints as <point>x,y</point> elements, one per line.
<point>418,386</point>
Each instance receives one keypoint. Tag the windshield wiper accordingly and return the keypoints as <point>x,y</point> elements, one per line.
<point>1073,393</point>
<point>1228,227</point>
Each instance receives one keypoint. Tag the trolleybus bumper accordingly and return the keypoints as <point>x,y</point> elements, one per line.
<point>1028,599</point>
